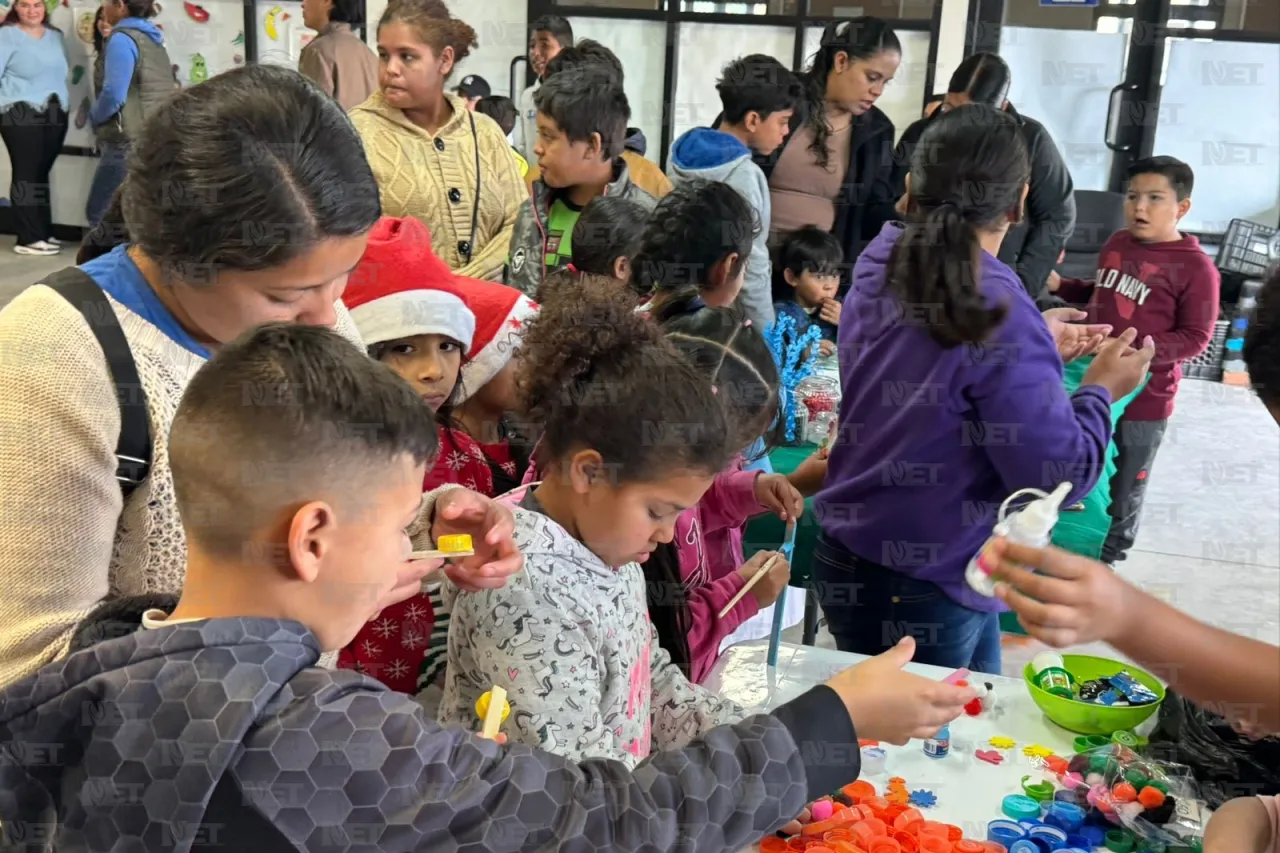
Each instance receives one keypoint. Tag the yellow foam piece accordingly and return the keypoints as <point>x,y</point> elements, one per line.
<point>1002,743</point>
<point>482,704</point>
<point>1035,750</point>
<point>454,544</point>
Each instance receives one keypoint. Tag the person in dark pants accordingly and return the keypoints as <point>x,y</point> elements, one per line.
<point>33,119</point>
<point>938,424</point>
<point>133,76</point>
<point>1032,248</point>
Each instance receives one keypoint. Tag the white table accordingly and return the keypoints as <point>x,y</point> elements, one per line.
<point>969,791</point>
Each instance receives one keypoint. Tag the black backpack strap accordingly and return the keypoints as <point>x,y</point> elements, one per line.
<point>133,451</point>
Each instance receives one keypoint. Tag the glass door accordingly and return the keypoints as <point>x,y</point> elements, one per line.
<point>1069,74</point>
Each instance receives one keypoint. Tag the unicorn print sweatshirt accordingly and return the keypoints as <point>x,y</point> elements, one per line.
<point>570,640</point>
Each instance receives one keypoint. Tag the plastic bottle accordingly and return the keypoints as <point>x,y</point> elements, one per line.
<point>940,744</point>
<point>1051,674</point>
<point>1032,525</point>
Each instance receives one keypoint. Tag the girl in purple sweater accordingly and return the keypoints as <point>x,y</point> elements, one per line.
<point>952,401</point>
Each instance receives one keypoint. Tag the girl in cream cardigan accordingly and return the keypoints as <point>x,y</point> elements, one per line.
<point>435,160</point>
<point>237,218</point>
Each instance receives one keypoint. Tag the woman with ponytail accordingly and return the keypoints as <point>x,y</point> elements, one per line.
<point>1033,247</point>
<point>953,401</point>
<point>834,169</point>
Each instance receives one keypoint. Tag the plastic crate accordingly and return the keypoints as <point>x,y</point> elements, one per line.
<point>1208,364</point>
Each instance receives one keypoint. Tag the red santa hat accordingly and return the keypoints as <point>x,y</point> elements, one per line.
<point>502,314</point>
<point>401,289</point>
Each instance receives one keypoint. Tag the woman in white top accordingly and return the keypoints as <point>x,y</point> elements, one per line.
<point>248,199</point>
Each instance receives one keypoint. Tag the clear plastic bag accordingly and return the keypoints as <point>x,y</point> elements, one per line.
<point>1157,801</point>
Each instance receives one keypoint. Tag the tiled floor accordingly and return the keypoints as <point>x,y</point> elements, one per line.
<point>1210,540</point>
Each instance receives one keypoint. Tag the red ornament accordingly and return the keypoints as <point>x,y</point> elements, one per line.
<point>196,13</point>
<point>974,708</point>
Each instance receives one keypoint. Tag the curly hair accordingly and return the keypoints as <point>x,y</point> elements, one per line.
<point>594,373</point>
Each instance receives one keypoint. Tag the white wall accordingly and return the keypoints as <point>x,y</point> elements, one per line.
<point>642,47</point>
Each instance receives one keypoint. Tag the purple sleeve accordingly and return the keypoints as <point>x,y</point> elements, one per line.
<point>706,629</point>
<point>1036,435</point>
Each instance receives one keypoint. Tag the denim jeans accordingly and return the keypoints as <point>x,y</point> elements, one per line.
<point>107,178</point>
<point>870,607</point>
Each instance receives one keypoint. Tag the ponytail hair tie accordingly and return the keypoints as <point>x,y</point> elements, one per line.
<point>572,269</point>
<point>747,323</point>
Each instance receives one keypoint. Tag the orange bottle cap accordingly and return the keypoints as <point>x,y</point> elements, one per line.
<point>934,844</point>
<point>954,833</point>
<point>932,827</point>
<point>908,842</point>
<point>967,846</point>
<point>884,845</point>
<point>859,791</point>
<point>909,820</point>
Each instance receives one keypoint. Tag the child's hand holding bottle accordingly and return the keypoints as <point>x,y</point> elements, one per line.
<point>885,703</point>
<point>1069,599</point>
<point>775,493</point>
<point>769,587</point>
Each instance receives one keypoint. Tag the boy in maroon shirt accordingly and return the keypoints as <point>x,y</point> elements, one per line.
<point>1159,281</point>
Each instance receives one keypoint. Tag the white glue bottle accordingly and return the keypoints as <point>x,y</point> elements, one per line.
<point>1032,525</point>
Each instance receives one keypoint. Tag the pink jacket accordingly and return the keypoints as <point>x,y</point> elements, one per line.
<point>708,538</point>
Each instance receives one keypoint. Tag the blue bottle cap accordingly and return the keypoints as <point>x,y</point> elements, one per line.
<point>1024,845</point>
<point>1081,841</point>
<point>1054,836</point>
<point>1094,834</point>
<point>1065,815</point>
<point>1004,832</point>
<point>1020,807</point>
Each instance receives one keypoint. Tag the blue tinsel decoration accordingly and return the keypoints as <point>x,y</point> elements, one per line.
<point>796,356</point>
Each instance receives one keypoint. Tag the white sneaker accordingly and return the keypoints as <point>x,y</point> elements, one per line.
<point>37,248</point>
<point>54,241</point>
<point>50,244</point>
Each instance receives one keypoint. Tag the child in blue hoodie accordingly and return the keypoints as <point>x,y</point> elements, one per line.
<point>758,95</point>
<point>953,401</point>
<point>132,76</point>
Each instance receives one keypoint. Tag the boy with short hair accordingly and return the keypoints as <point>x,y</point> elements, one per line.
<point>1159,281</point>
<point>759,95</point>
<point>644,172</point>
<point>582,119</point>
<point>547,37</point>
<point>298,465</point>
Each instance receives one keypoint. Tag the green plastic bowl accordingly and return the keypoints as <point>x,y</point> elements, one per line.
<point>1086,718</point>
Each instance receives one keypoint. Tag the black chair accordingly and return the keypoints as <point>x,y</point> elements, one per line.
<point>1098,215</point>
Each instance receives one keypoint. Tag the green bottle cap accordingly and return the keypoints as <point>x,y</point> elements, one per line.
<point>1119,841</point>
<point>1125,739</point>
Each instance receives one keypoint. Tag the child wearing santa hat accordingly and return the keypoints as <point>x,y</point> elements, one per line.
<point>487,390</point>
<point>407,305</point>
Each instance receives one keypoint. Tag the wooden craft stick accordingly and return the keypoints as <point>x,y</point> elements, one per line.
<point>493,718</point>
<point>764,570</point>
<point>438,555</point>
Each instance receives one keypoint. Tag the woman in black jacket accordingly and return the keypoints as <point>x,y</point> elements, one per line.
<point>1033,247</point>
<point>835,169</point>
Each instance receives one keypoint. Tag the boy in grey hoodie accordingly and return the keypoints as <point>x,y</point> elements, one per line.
<point>759,95</point>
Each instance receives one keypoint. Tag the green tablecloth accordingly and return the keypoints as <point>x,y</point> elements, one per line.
<point>1082,531</point>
